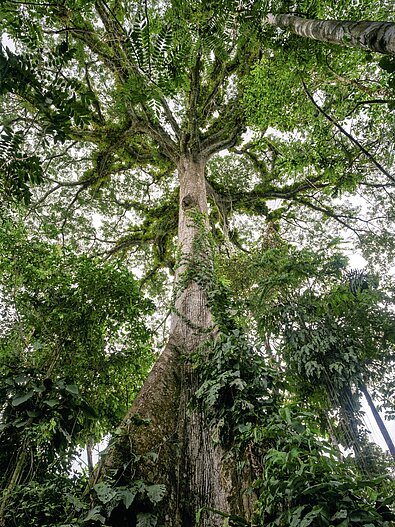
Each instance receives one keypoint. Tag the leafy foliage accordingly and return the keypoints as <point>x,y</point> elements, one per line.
<point>301,478</point>
<point>73,312</point>
<point>335,332</point>
<point>330,331</point>
<point>304,482</point>
<point>238,387</point>
<point>43,502</point>
<point>73,329</point>
<point>109,97</point>
<point>18,172</point>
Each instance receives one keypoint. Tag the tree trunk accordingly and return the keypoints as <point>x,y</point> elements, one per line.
<point>373,36</point>
<point>379,421</point>
<point>14,481</point>
<point>188,463</point>
<point>89,456</point>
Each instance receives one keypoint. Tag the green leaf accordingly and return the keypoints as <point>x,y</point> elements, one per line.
<point>72,388</point>
<point>76,502</point>
<point>21,379</point>
<point>20,399</point>
<point>152,455</point>
<point>311,516</point>
<point>94,515</point>
<point>146,519</point>
<point>51,402</point>
<point>360,516</point>
<point>296,516</point>
<point>33,414</point>
<point>104,492</point>
<point>155,493</point>
<point>127,496</point>
<point>340,515</point>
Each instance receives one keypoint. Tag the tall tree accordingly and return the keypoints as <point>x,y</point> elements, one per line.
<point>159,89</point>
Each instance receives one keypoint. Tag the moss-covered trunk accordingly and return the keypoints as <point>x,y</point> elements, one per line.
<point>187,462</point>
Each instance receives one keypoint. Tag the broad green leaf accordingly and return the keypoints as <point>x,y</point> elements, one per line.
<point>104,492</point>
<point>94,515</point>
<point>72,388</point>
<point>155,493</point>
<point>20,399</point>
<point>127,496</point>
<point>51,402</point>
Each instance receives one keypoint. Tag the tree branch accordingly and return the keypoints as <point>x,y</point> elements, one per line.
<point>220,141</point>
<point>369,35</point>
<point>373,101</point>
<point>113,28</point>
<point>158,133</point>
<point>349,136</point>
<point>170,117</point>
<point>191,137</point>
<point>327,212</point>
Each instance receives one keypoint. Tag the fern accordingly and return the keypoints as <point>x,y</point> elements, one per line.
<point>17,170</point>
<point>140,41</point>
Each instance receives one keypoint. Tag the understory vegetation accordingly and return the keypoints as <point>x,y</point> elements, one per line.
<point>283,404</point>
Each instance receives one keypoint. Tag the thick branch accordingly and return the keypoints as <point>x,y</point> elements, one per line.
<point>254,199</point>
<point>118,40</point>
<point>191,136</point>
<point>86,33</point>
<point>115,32</point>
<point>372,101</point>
<point>170,117</point>
<point>218,77</point>
<point>152,128</point>
<point>379,421</point>
<point>220,141</point>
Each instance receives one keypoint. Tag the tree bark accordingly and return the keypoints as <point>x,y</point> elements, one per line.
<point>372,36</point>
<point>188,463</point>
<point>89,456</point>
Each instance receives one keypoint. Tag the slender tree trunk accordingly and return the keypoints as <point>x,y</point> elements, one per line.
<point>373,36</point>
<point>89,456</point>
<point>379,421</point>
<point>14,481</point>
<point>188,463</point>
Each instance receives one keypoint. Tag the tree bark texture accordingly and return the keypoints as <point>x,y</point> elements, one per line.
<point>188,463</point>
<point>373,36</point>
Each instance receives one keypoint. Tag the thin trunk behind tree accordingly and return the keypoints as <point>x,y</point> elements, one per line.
<point>371,36</point>
<point>188,463</point>
<point>379,421</point>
